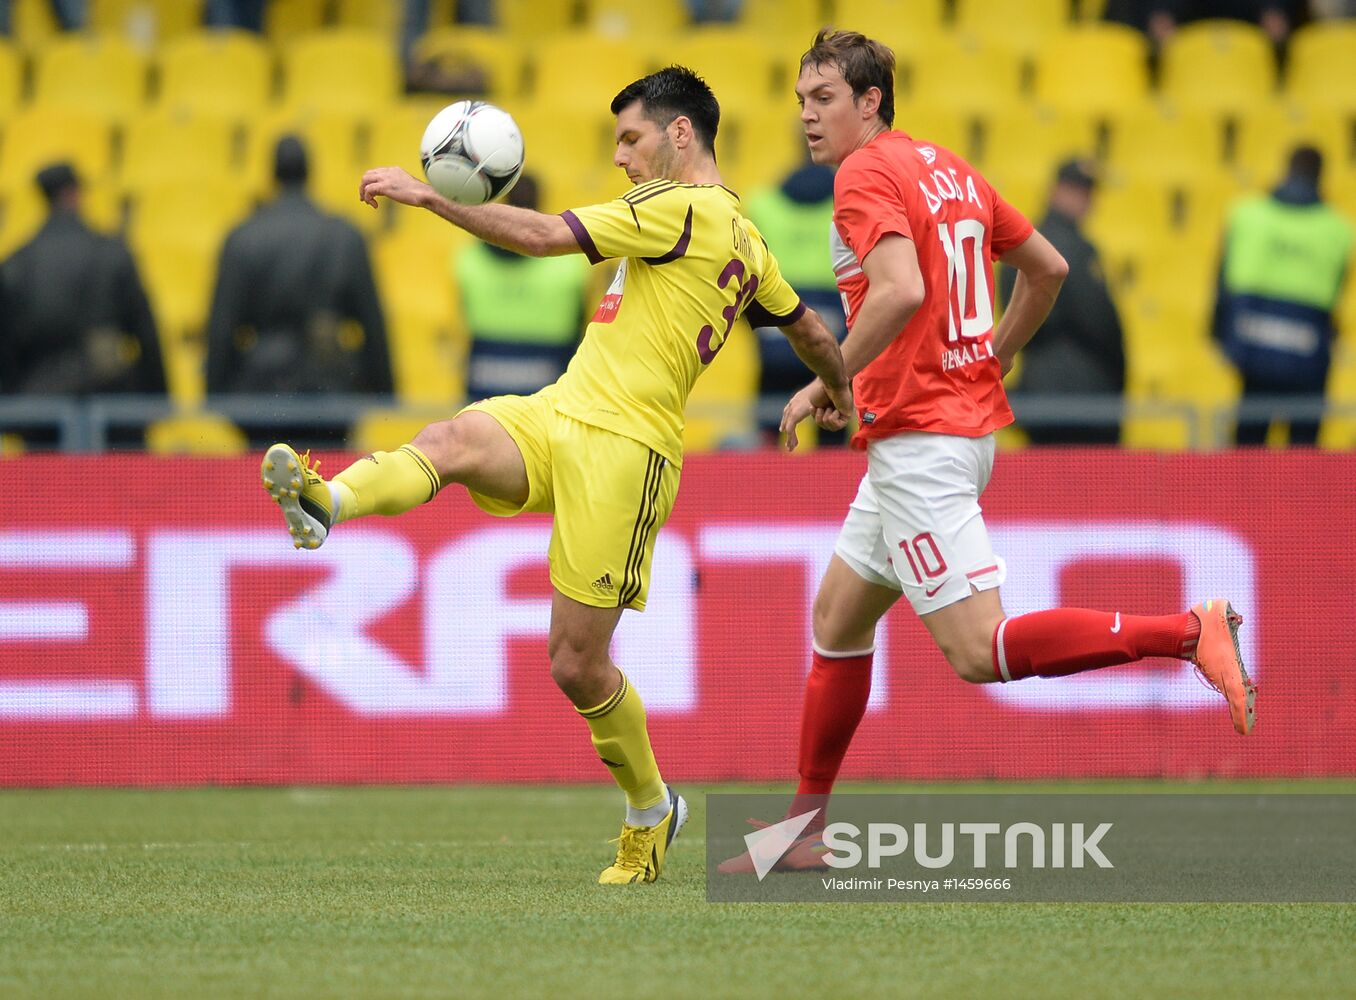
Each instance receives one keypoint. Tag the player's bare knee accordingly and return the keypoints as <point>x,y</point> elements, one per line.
<point>833,629</point>
<point>579,669</point>
<point>443,444</point>
<point>971,660</point>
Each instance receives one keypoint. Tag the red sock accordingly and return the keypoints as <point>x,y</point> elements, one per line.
<point>1071,640</point>
<point>835,700</point>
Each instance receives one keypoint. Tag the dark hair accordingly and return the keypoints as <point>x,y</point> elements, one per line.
<point>1306,162</point>
<point>864,63</point>
<point>290,166</point>
<point>671,92</point>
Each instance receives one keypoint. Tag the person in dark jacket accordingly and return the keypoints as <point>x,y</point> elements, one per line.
<point>1080,348</point>
<point>295,307</point>
<point>74,317</point>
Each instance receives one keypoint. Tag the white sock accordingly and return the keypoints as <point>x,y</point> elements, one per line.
<point>337,498</point>
<point>652,816</point>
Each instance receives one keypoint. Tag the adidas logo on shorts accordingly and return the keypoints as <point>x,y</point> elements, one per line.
<point>603,582</point>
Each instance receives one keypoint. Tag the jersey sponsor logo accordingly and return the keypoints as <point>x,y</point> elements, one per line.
<point>603,582</point>
<point>611,303</point>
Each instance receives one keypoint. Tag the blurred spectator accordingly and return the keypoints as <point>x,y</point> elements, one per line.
<point>1160,19</point>
<point>69,15</point>
<point>295,307</point>
<point>1285,261</point>
<point>443,76</point>
<point>247,15</point>
<point>524,313</point>
<point>1079,349</point>
<point>714,11</point>
<point>74,318</point>
<point>796,218</point>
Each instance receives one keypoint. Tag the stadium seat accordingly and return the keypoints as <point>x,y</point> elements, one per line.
<point>385,19</point>
<point>1321,66</point>
<point>497,54</point>
<point>740,67</point>
<point>759,149</point>
<point>165,147</point>
<point>387,430</point>
<point>35,136</point>
<point>1022,27</point>
<point>427,338</point>
<point>1266,136</point>
<point>965,75</point>
<point>904,25</point>
<point>559,79</point>
<point>1093,68</point>
<point>228,73</point>
<point>192,215</point>
<point>331,140</point>
<point>1032,141</point>
<point>285,20</point>
<point>393,137</point>
<point>1226,67</point>
<point>145,22</point>
<point>180,288</point>
<point>195,433</point>
<point>32,24</point>
<point>1338,431</point>
<point>569,149</point>
<point>948,127</point>
<point>784,22</point>
<point>720,410</point>
<point>532,20</point>
<point>11,79</point>
<point>23,209</point>
<point>96,74</point>
<point>346,70</point>
<point>1149,143</point>
<point>1130,220</point>
<point>636,18</point>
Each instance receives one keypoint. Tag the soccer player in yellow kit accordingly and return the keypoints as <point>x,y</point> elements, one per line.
<point>602,447</point>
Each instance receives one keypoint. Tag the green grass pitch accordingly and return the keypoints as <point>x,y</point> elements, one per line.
<point>468,892</point>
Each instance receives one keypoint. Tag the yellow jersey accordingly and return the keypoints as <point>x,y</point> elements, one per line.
<point>694,271</point>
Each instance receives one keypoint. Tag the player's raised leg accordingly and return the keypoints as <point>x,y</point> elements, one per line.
<point>601,693</point>
<point>472,449</point>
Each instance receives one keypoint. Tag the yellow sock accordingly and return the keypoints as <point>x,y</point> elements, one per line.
<point>623,744</point>
<point>385,482</point>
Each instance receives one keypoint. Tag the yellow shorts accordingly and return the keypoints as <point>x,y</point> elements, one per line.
<point>610,496</point>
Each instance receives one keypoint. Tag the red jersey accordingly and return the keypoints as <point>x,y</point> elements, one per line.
<point>940,373</point>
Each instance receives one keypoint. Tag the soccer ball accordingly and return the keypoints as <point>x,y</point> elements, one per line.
<point>472,152</point>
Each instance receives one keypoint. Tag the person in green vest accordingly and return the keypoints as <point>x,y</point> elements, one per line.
<point>795,218</point>
<point>1285,261</point>
<point>524,313</point>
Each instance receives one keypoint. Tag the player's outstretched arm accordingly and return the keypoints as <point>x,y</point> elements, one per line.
<point>532,234</point>
<point>894,293</point>
<point>1041,270</point>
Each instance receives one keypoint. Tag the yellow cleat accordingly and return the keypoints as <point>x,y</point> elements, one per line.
<point>295,483</point>
<point>641,849</point>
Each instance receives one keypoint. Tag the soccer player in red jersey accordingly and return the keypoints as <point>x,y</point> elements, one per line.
<point>915,228</point>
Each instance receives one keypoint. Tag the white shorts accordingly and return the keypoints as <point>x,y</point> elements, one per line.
<point>916,524</point>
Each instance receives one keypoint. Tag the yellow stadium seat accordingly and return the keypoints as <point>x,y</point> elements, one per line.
<point>584,70</point>
<point>1093,68</point>
<point>721,408</point>
<point>228,73</point>
<point>342,69</point>
<point>1023,27</point>
<point>427,335</point>
<point>11,79</point>
<point>385,19</point>
<point>569,151</point>
<point>495,53</point>
<point>1227,67</point>
<point>1130,219</point>
<point>145,22</point>
<point>393,136</point>
<point>284,20</point>
<point>1149,143</point>
<point>952,129</point>
<point>32,24</point>
<point>532,19</point>
<point>635,18</point>
<point>99,74</point>
<point>192,215</point>
<point>195,433</point>
<point>1032,141</point>
<point>1321,66</point>
<point>1203,210</point>
<point>330,138</point>
<point>787,22</point>
<point>387,430</point>
<point>906,26</point>
<point>741,69</point>
<point>167,147</point>
<point>36,136</point>
<point>1266,136</point>
<point>965,75</point>
<point>1338,431</point>
<point>180,289</point>
<point>759,149</point>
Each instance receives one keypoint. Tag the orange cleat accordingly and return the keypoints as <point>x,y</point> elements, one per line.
<point>1220,662</point>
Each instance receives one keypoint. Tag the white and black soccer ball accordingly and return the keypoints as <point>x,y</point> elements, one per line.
<point>472,152</point>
